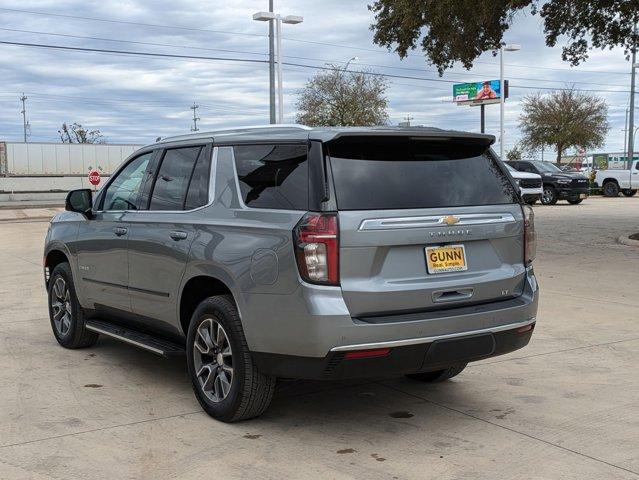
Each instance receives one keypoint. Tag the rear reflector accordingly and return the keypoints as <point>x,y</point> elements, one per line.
<point>379,352</point>
<point>525,329</point>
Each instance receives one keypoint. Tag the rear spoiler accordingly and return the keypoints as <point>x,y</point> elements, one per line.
<point>414,134</point>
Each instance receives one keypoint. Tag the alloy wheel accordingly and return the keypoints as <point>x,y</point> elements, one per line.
<point>213,360</point>
<point>547,196</point>
<point>61,306</point>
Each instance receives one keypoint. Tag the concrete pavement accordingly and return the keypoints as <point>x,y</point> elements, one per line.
<point>565,407</point>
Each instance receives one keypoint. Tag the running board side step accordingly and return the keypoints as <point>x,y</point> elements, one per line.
<point>153,344</point>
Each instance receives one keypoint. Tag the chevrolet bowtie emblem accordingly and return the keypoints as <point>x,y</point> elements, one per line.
<point>450,220</point>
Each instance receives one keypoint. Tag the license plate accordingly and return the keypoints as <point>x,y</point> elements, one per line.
<point>583,195</point>
<point>443,259</point>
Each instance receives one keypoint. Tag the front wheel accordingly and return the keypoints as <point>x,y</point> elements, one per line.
<point>225,380</point>
<point>575,201</point>
<point>65,312</point>
<point>629,193</point>
<point>438,375</point>
<point>549,197</point>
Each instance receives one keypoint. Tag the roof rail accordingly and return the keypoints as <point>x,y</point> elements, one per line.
<point>236,129</point>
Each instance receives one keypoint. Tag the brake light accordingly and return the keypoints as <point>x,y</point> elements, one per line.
<point>316,239</point>
<point>530,237</point>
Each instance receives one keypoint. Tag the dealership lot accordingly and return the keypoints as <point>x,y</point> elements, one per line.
<point>567,406</point>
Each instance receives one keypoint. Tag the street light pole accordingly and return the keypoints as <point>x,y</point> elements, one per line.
<point>271,66</point>
<point>513,47</point>
<point>291,19</point>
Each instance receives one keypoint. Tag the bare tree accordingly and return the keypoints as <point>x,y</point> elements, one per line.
<point>339,98</point>
<point>565,119</point>
<point>76,133</point>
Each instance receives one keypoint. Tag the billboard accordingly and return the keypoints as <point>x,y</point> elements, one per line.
<point>477,93</point>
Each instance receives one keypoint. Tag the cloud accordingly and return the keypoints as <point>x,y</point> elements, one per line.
<point>135,99</point>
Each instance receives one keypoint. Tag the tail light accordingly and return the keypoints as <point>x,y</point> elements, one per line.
<point>530,237</point>
<point>316,239</point>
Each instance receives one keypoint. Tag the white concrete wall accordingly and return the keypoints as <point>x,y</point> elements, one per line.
<point>64,158</point>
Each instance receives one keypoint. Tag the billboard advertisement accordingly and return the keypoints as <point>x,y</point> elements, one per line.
<point>488,91</point>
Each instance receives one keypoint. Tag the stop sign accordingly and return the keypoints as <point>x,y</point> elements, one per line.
<point>94,177</point>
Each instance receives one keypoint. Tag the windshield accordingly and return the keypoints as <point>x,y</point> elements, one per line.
<point>546,167</point>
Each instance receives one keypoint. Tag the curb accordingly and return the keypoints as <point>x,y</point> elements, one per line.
<point>625,240</point>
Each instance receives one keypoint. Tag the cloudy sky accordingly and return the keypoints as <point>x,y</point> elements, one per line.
<point>133,99</point>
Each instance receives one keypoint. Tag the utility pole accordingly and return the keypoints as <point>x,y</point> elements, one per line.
<point>408,118</point>
<point>631,116</point>
<point>625,133</point>
<point>271,66</point>
<point>195,117</point>
<point>23,99</point>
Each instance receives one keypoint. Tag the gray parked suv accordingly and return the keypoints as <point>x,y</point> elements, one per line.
<point>299,253</point>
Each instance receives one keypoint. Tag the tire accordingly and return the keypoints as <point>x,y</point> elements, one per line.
<point>611,189</point>
<point>65,312</point>
<point>629,193</point>
<point>229,386</point>
<point>439,375</point>
<point>549,197</point>
<point>575,201</point>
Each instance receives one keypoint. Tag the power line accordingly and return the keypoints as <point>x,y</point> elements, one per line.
<point>313,42</point>
<point>82,37</point>
<point>252,60</point>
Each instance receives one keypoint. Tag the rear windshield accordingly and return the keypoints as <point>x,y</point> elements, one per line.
<point>403,173</point>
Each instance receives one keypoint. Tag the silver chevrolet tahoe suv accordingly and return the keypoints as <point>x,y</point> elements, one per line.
<point>296,252</point>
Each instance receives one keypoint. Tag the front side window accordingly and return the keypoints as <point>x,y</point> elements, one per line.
<point>122,193</point>
<point>273,176</point>
<point>173,178</point>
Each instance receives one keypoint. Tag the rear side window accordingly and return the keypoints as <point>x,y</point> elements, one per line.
<point>172,181</point>
<point>378,174</point>
<point>273,176</point>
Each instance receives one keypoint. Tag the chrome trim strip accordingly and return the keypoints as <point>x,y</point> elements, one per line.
<point>124,339</point>
<point>435,221</point>
<point>417,341</point>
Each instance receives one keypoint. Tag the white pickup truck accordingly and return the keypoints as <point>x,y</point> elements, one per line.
<point>613,181</point>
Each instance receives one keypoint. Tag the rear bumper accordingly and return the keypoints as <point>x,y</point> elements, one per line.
<point>298,335</point>
<point>434,355</point>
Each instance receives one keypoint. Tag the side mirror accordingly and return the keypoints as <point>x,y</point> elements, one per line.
<point>80,201</point>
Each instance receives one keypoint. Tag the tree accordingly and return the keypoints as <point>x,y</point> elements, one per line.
<point>513,155</point>
<point>76,133</point>
<point>335,97</point>
<point>461,30</point>
<point>565,119</point>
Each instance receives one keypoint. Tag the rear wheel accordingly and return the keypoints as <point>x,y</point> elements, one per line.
<point>575,201</point>
<point>225,380</point>
<point>611,189</point>
<point>438,375</point>
<point>629,193</point>
<point>549,197</point>
<point>65,312</point>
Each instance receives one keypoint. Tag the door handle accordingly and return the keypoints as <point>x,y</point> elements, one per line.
<point>178,235</point>
<point>119,231</point>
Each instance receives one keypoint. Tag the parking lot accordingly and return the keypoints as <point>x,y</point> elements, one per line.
<point>567,406</point>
